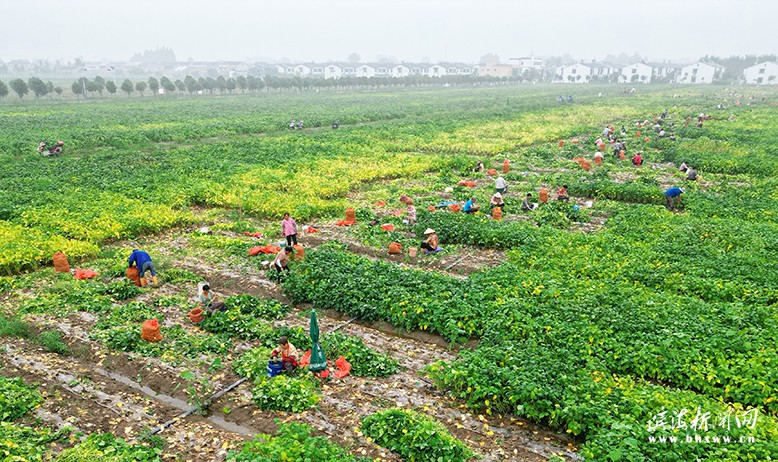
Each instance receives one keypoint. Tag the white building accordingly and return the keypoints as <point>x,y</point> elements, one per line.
<point>699,73</point>
<point>303,70</point>
<point>401,70</point>
<point>664,72</point>
<point>765,73</point>
<point>574,73</point>
<point>364,70</point>
<point>436,70</point>
<point>636,73</point>
<point>333,71</point>
<point>527,63</point>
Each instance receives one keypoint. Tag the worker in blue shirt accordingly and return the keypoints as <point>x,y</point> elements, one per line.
<point>470,206</point>
<point>142,260</point>
<point>673,195</point>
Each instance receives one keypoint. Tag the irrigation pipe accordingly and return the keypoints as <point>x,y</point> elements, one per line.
<point>451,265</point>
<point>175,419</point>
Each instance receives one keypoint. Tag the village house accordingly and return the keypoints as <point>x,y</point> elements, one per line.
<point>765,73</point>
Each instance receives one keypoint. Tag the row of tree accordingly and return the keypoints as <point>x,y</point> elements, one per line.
<point>98,86</point>
<point>37,86</point>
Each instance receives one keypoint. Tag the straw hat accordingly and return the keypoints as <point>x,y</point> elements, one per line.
<point>429,231</point>
<point>498,195</point>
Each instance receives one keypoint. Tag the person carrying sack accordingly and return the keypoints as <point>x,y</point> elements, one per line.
<point>142,260</point>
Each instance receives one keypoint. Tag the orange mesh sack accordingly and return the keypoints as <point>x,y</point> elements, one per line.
<point>497,213</point>
<point>586,165</point>
<point>491,172</point>
<point>61,264</point>
<point>543,195</point>
<point>299,253</point>
<point>506,166</point>
<point>351,215</point>
<point>395,248</point>
<point>133,274</point>
<point>196,315</point>
<point>455,208</point>
<point>150,331</point>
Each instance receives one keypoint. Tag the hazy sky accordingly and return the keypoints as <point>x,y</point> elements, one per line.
<point>408,30</point>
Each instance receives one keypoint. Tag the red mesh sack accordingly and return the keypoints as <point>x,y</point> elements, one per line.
<point>344,368</point>
<point>85,274</point>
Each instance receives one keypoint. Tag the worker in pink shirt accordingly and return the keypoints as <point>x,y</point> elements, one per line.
<point>289,228</point>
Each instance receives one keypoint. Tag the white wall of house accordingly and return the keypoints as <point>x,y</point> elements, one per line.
<point>436,70</point>
<point>302,70</point>
<point>401,70</point>
<point>574,73</point>
<point>364,70</point>
<point>332,71</point>
<point>636,73</point>
<point>697,73</point>
<point>765,73</point>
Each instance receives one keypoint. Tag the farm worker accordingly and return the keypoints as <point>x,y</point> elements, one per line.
<point>470,206</point>
<point>289,228</point>
<point>605,132</point>
<point>206,300</point>
<point>543,196</point>
<point>598,158</point>
<point>479,167</point>
<point>561,194</point>
<point>282,260</point>
<point>42,147</point>
<point>411,210</point>
<point>637,160</point>
<point>672,195</point>
<point>691,174</point>
<point>287,352</point>
<point>431,242</point>
<point>683,167</point>
<point>500,185</point>
<point>526,204</point>
<point>623,130</point>
<point>496,201</point>
<point>142,260</point>
<point>57,149</point>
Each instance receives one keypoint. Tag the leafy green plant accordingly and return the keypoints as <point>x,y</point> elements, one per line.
<point>122,289</point>
<point>13,327</point>
<point>17,398</point>
<point>199,391</point>
<point>414,436</point>
<point>252,363</point>
<point>178,275</point>
<point>285,393</point>
<point>22,443</point>
<point>293,441</point>
<point>51,341</point>
<point>365,362</point>
<point>105,446</point>
<point>233,323</point>
<point>260,307</point>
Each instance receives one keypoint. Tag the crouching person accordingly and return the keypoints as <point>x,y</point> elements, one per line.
<point>287,353</point>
